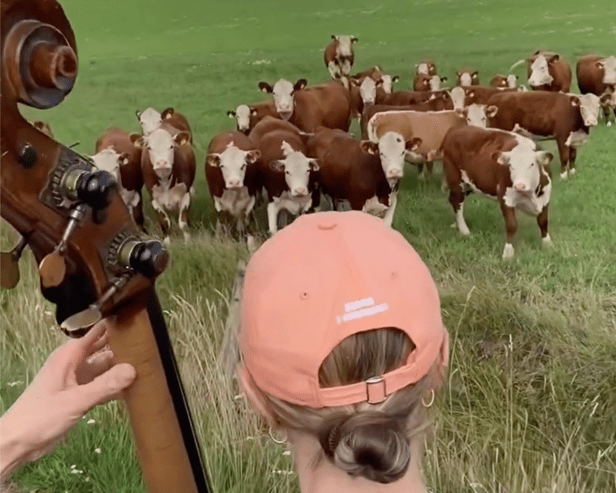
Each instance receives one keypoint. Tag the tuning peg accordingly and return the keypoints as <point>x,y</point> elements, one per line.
<point>10,265</point>
<point>95,188</point>
<point>149,258</point>
<point>88,317</point>
<point>53,267</point>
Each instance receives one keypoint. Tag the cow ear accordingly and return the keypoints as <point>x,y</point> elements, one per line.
<point>554,58</point>
<point>368,147</point>
<point>443,79</point>
<point>253,156</point>
<point>167,113</point>
<point>354,39</point>
<point>300,84</point>
<point>491,111</point>
<point>395,78</point>
<point>334,37</point>
<point>501,158</point>
<point>605,98</point>
<point>475,75</point>
<point>600,64</point>
<point>212,160</point>
<point>124,158</point>
<point>277,165</point>
<point>470,94</point>
<point>413,144</point>
<point>253,112</point>
<point>182,138</point>
<point>265,87</point>
<point>231,114</point>
<point>136,139</point>
<point>536,52</point>
<point>314,165</point>
<point>138,114</point>
<point>544,158</point>
<point>575,101</point>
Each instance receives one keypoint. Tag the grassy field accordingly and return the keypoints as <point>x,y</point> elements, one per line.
<point>529,406</point>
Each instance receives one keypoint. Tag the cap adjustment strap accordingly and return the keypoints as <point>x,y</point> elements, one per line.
<point>375,390</point>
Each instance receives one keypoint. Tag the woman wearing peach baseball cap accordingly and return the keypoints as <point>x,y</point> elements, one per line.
<point>342,346</point>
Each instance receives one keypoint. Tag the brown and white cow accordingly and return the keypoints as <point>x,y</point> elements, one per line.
<point>464,96</point>
<point>365,174</point>
<point>168,166</point>
<point>247,116</point>
<point>431,127</point>
<point>547,72</point>
<point>125,167</point>
<point>500,81</point>
<point>426,66</point>
<point>43,127</point>
<point>405,98</point>
<point>467,77</point>
<point>339,55</point>
<point>150,120</point>
<point>566,118</point>
<point>284,170</point>
<point>597,75</point>
<point>502,165</point>
<point>231,176</point>
<point>307,108</point>
<point>423,82</point>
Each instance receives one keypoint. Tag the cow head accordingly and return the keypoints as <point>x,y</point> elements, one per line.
<point>388,82</point>
<point>109,160</point>
<point>426,67</point>
<point>608,98</point>
<point>478,114</point>
<point>392,151</point>
<point>242,115</point>
<point>540,70</point>
<point>589,105</point>
<point>283,92</point>
<point>458,97</point>
<point>233,162</point>
<point>609,69</point>
<point>512,81</point>
<point>150,120</point>
<point>525,165</point>
<point>345,45</point>
<point>435,82</point>
<point>296,168</point>
<point>467,78</point>
<point>160,145</point>
<point>367,90</point>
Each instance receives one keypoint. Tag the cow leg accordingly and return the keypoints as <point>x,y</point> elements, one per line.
<point>606,114</point>
<point>163,220</point>
<point>511,225</point>
<point>563,152</point>
<point>456,195</point>
<point>137,213</point>
<point>183,215</point>
<point>542,221</point>
<point>420,172</point>
<point>272,217</point>
<point>572,156</point>
<point>389,213</point>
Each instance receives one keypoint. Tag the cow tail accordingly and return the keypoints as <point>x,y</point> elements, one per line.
<point>519,62</point>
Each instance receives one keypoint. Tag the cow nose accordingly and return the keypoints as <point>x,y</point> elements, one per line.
<point>300,191</point>
<point>394,173</point>
<point>162,164</point>
<point>233,184</point>
<point>519,186</point>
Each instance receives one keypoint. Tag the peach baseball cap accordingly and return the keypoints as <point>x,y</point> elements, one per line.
<point>321,279</point>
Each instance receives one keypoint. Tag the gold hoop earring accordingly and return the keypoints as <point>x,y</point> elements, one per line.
<point>279,442</point>
<point>431,399</point>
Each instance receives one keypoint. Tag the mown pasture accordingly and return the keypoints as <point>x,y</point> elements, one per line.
<point>529,405</point>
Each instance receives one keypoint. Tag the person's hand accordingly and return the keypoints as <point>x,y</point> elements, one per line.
<point>76,377</point>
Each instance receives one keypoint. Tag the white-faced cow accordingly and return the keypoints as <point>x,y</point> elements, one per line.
<point>566,118</point>
<point>364,173</point>
<point>284,170</point>
<point>423,82</point>
<point>467,77</point>
<point>231,176</point>
<point>328,105</point>
<point>426,67</point>
<point>547,71</point>
<point>597,75</point>
<point>246,117</point>
<point>150,120</point>
<point>339,55</point>
<point>504,81</point>
<point>501,165</point>
<point>126,168</point>
<point>168,166</point>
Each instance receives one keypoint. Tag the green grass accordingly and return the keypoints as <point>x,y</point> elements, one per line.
<point>529,406</point>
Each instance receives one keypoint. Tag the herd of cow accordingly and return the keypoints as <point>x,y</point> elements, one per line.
<point>296,147</point>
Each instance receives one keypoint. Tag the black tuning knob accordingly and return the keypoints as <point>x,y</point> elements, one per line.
<point>96,189</point>
<point>149,258</point>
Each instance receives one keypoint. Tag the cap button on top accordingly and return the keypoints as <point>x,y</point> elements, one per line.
<point>326,224</point>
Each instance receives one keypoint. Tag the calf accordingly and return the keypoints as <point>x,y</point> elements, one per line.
<point>467,77</point>
<point>430,127</point>
<point>504,81</point>
<point>168,166</point>
<point>328,105</point>
<point>43,127</point>
<point>150,120</point>
<point>547,72</point>
<point>365,174</point>
<point>231,176</point>
<point>126,168</point>
<point>285,171</point>
<point>423,82</point>
<point>426,67</point>
<point>597,75</point>
<point>549,115</point>
<point>502,165</point>
<point>339,55</point>
<point>246,117</point>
